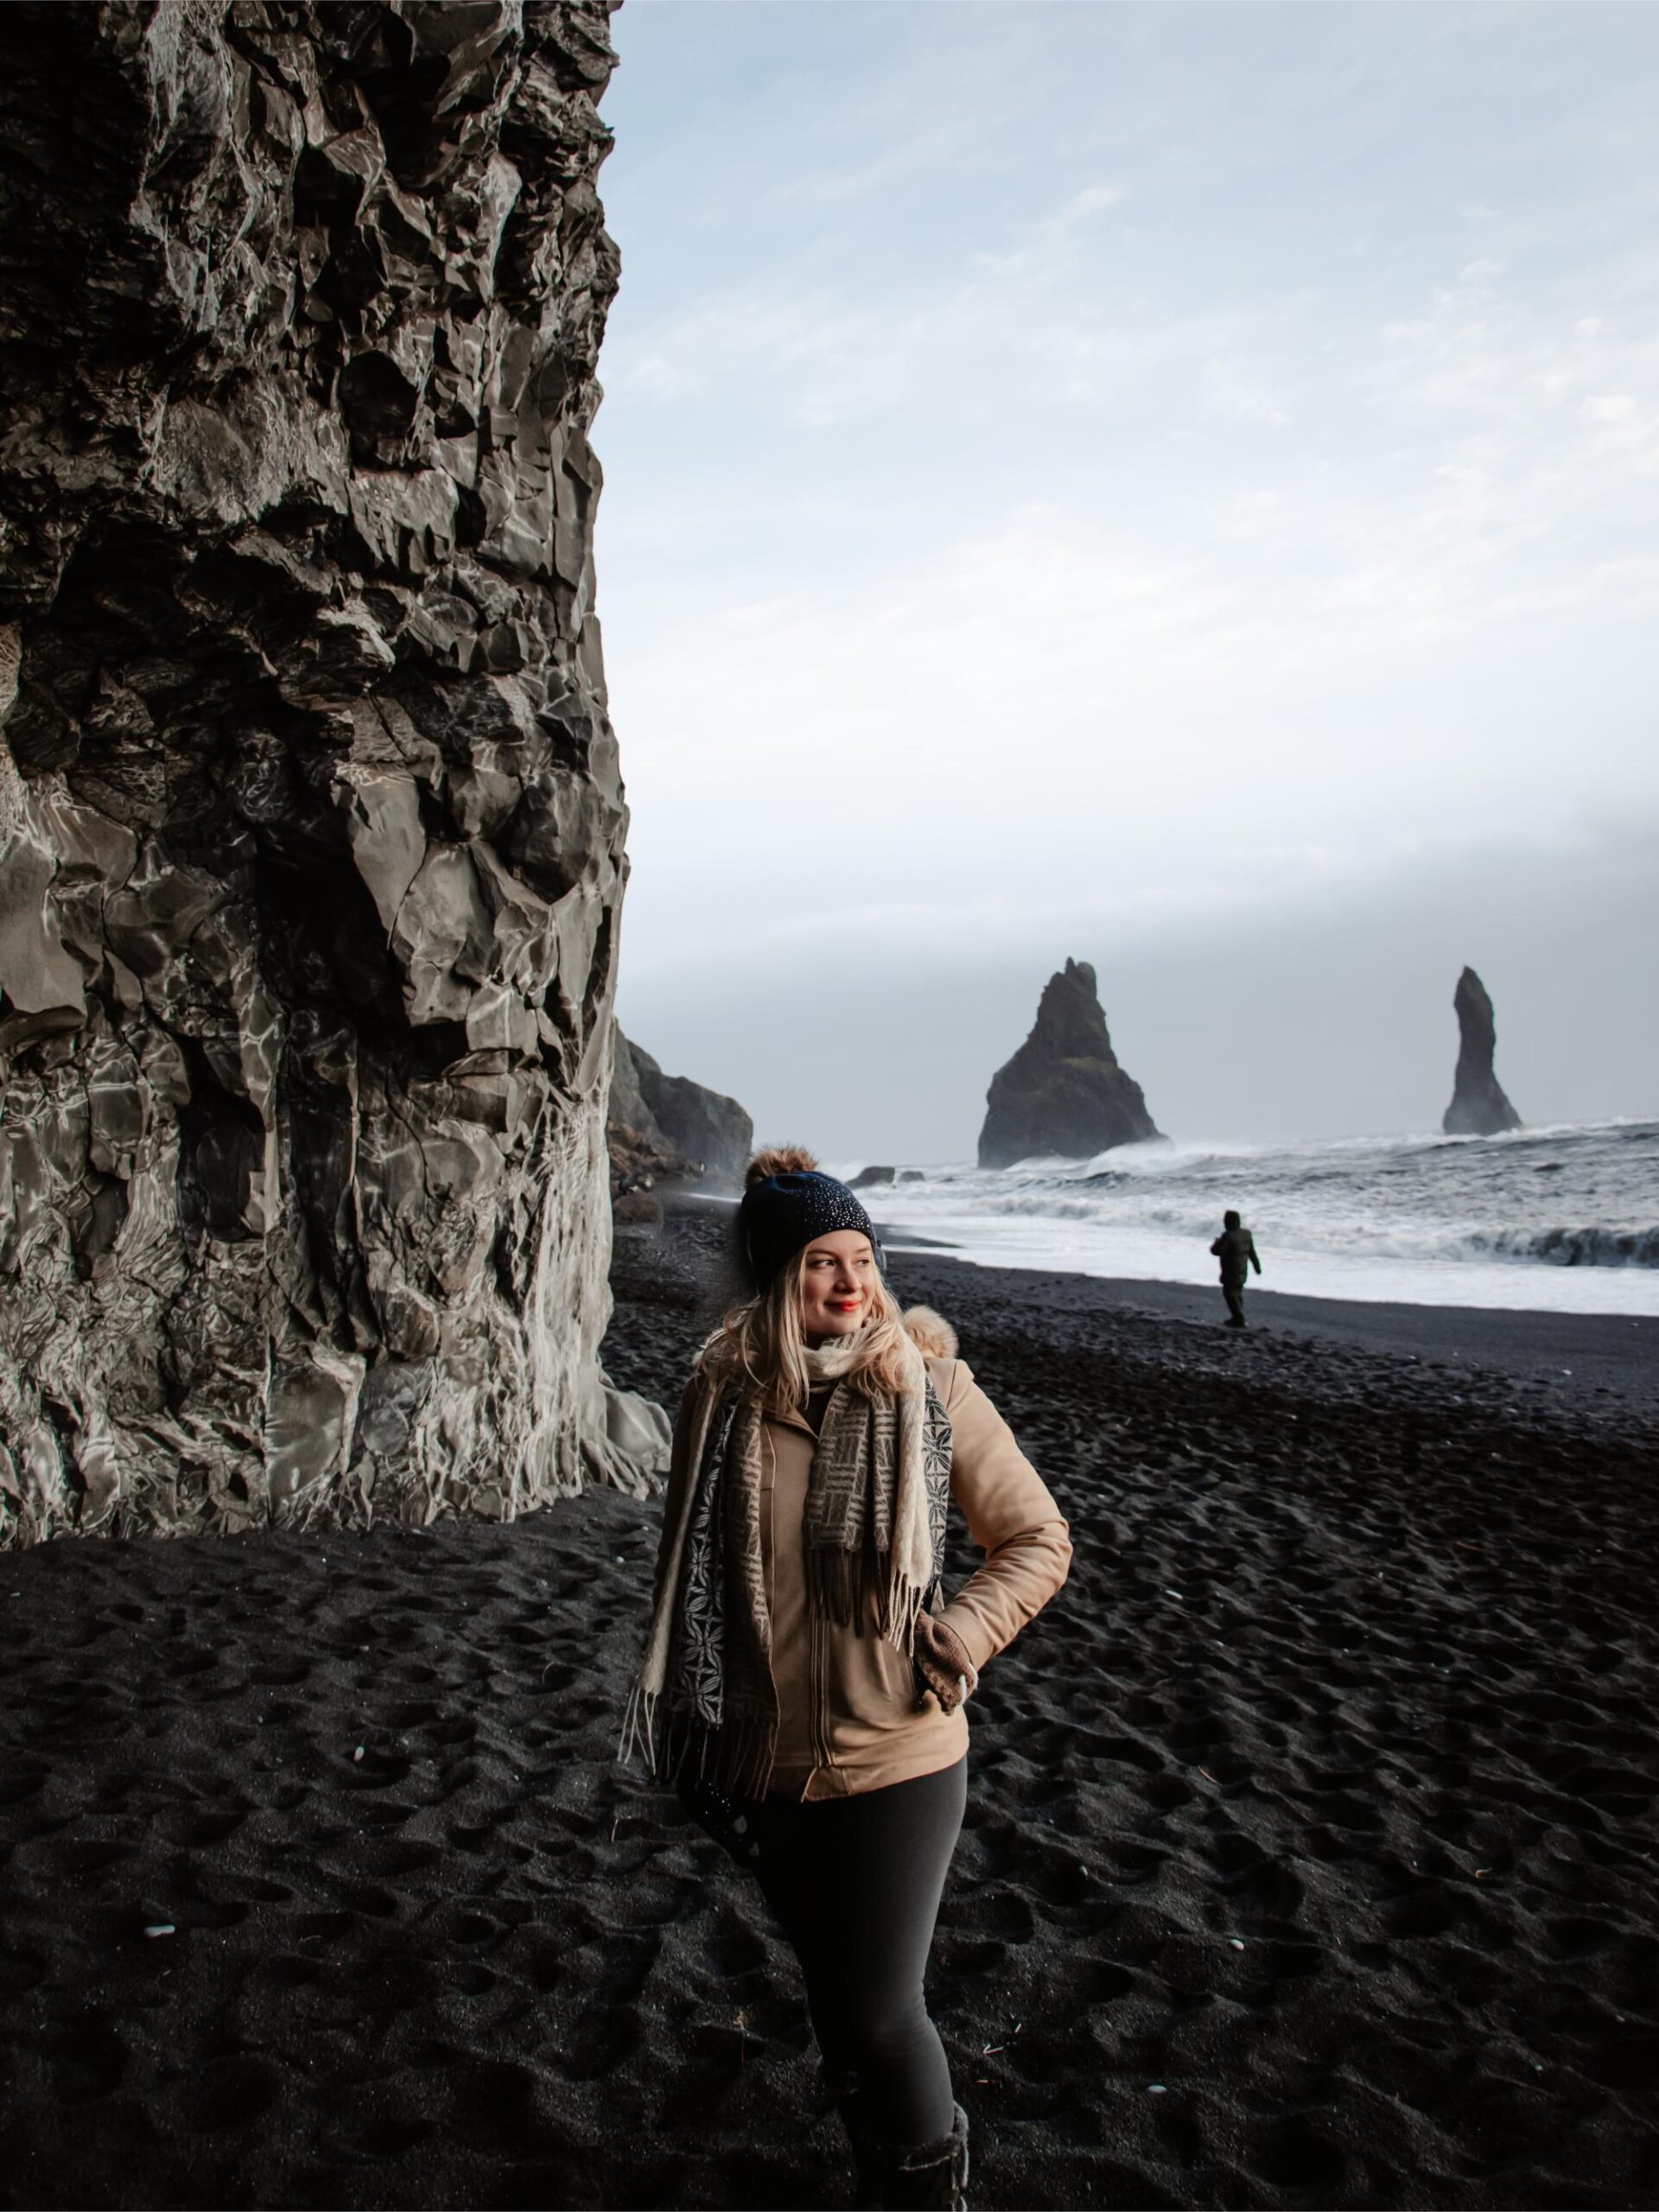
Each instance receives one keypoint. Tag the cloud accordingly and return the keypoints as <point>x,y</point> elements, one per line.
<point>1240,397</point>
<point>1049,720</point>
<point>1046,247</point>
<point>1113,476</point>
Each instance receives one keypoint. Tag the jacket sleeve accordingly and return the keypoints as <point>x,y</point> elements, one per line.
<point>1010,1517</point>
<point>1255,1262</point>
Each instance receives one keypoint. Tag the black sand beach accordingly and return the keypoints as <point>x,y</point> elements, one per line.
<point>1581,1367</point>
<point>1310,1856</point>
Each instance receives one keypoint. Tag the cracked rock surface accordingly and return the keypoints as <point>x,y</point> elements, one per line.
<point>311,824</point>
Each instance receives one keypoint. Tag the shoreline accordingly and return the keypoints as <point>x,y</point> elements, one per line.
<point>1609,1356</point>
<point>1497,1351</point>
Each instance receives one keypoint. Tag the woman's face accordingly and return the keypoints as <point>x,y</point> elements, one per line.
<point>838,1282</point>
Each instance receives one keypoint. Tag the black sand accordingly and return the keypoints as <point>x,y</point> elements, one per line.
<point>1310,1856</point>
<point>1581,1367</point>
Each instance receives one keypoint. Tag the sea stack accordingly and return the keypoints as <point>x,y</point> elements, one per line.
<point>1063,1092</point>
<point>311,824</point>
<point>1478,1107</point>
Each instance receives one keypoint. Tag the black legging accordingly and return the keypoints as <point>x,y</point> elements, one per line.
<point>856,1882</point>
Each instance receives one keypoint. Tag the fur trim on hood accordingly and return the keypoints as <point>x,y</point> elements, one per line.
<point>931,1333</point>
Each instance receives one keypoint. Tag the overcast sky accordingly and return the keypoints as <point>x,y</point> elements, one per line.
<point>1174,486</point>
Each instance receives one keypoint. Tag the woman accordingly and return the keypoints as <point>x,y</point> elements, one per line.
<point>802,1679</point>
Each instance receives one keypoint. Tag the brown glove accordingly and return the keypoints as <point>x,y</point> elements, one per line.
<point>942,1660</point>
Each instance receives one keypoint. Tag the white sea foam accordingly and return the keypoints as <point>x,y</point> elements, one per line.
<point>1565,1220</point>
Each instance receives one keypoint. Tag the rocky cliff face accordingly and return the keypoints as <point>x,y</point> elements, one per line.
<point>698,1131</point>
<point>311,827</point>
<point>1063,1092</point>
<point>1478,1107</point>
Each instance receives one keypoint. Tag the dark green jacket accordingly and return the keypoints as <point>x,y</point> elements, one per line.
<point>1236,1249</point>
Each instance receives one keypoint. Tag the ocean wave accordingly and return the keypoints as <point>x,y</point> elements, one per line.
<point>1574,1247</point>
<point>1309,1229</point>
<point>1486,1221</point>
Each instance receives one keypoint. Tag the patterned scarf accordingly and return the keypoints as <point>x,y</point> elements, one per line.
<point>877,1502</point>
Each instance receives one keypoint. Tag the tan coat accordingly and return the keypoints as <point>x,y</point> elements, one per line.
<point>849,1717</point>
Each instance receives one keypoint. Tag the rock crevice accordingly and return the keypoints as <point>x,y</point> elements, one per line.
<point>311,823</point>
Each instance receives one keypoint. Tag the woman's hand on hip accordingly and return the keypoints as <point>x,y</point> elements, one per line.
<point>942,1662</point>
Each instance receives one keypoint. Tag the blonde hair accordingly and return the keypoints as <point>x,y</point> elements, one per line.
<point>761,1346</point>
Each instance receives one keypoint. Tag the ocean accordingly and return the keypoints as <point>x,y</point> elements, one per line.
<point>1562,1219</point>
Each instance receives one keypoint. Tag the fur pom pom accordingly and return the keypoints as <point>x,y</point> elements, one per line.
<point>931,1333</point>
<point>778,1159</point>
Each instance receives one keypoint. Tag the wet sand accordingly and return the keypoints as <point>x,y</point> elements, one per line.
<point>1310,1856</point>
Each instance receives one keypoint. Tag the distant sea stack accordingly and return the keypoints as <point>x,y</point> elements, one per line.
<point>1063,1092</point>
<point>1478,1107</point>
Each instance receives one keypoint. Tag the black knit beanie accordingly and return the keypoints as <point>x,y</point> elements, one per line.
<point>781,1214</point>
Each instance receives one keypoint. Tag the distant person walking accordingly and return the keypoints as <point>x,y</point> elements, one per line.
<point>804,1678</point>
<point>1236,1248</point>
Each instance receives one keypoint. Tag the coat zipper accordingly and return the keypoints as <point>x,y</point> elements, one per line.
<point>820,1690</point>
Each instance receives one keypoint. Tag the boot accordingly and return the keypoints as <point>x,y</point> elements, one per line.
<point>843,2094</point>
<point>926,2177</point>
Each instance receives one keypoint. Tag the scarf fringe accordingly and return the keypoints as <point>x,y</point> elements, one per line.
<point>905,1605</point>
<point>847,1588</point>
<point>638,1729</point>
<point>737,1757</point>
<point>860,1592</point>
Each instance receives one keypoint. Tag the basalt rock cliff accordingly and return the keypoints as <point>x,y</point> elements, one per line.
<point>692,1130</point>
<point>1478,1107</point>
<point>1063,1092</point>
<point>311,827</point>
